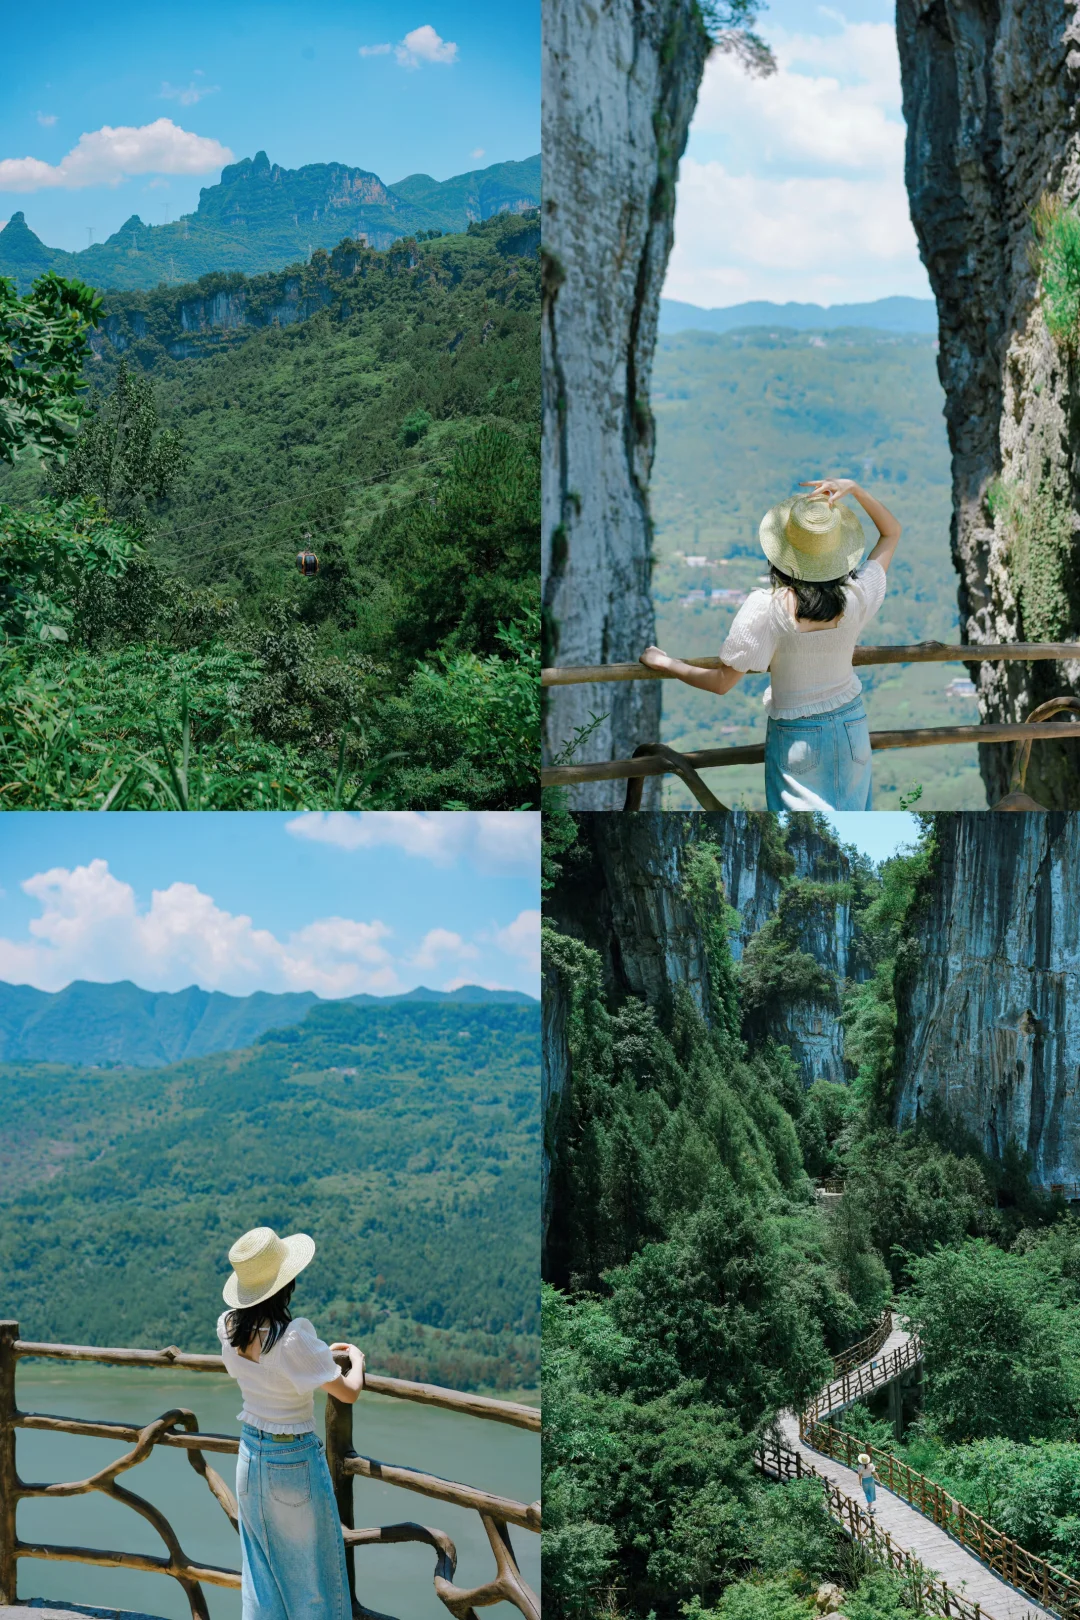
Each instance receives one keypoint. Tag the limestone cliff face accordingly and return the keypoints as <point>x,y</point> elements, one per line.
<point>993,112</point>
<point>989,1010</point>
<point>620,79</point>
<point>624,896</point>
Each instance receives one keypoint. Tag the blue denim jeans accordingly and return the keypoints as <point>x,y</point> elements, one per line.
<point>820,761</point>
<point>290,1533</point>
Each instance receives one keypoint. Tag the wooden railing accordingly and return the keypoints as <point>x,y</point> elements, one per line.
<point>920,652</point>
<point>866,1348</point>
<point>859,1381</point>
<point>1050,1587</point>
<point>179,1428</point>
<point>925,1590</point>
<point>657,759</point>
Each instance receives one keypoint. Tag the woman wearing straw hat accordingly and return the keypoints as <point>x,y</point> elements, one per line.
<point>803,631</point>
<point>290,1534</point>
<point>868,1478</point>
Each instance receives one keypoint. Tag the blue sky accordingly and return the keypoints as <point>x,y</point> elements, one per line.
<point>877,833</point>
<point>338,904</point>
<point>286,79</point>
<point>792,186</point>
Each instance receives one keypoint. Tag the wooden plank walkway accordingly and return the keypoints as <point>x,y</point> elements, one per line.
<point>916,1533</point>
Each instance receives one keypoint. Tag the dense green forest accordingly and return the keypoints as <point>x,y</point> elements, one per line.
<point>741,419</point>
<point>160,648</point>
<point>260,217</point>
<point>403,1139</point>
<point>696,1287</point>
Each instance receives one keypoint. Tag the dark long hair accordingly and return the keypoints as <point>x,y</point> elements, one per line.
<point>242,1326</point>
<point>816,600</point>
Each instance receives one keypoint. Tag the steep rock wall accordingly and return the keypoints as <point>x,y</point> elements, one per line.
<point>989,1008</point>
<point>620,78</point>
<point>993,113</point>
<point>623,895</point>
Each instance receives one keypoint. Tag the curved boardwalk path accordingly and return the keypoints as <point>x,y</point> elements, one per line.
<point>909,1528</point>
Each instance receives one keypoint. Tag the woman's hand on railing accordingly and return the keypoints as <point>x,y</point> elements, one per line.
<point>349,1384</point>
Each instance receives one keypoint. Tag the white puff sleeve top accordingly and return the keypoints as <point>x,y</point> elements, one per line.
<point>279,1389</point>
<point>811,669</point>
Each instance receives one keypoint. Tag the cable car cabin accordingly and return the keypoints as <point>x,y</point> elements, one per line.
<point>307,562</point>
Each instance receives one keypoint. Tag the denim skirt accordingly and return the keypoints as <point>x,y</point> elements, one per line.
<point>290,1533</point>
<point>820,761</point>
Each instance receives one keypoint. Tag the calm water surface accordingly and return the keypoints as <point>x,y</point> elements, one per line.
<point>394,1580</point>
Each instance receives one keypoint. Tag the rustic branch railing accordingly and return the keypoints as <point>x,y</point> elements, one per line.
<point>179,1428</point>
<point>1050,1587</point>
<point>703,759</point>
<point>926,1590</point>
<point>858,1381</point>
<point>866,1348</point>
<point>921,652</point>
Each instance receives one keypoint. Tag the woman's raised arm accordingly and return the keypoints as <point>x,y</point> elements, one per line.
<point>888,527</point>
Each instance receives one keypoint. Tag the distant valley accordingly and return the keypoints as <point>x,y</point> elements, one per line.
<point>404,1138</point>
<point>261,217</point>
<point>95,1024</point>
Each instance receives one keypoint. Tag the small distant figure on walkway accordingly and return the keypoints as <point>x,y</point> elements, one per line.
<point>868,1480</point>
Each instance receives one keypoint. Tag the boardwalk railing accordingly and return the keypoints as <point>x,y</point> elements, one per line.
<point>924,1589</point>
<point>1050,1587</point>
<point>866,1348</point>
<point>920,652</point>
<point>859,1381</point>
<point>179,1428</point>
<point>657,759</point>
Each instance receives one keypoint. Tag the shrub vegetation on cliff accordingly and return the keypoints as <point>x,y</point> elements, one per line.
<point>158,648</point>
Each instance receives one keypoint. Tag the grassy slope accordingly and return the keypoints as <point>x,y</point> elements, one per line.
<point>741,419</point>
<point>416,1178</point>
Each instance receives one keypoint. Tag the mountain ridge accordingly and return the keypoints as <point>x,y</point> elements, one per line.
<point>90,1023</point>
<point>260,216</point>
<point>895,314</point>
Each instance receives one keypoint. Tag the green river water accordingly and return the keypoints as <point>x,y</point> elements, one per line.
<point>393,1580</point>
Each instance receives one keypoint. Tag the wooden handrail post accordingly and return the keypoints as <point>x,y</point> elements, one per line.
<point>339,1445</point>
<point>9,1479</point>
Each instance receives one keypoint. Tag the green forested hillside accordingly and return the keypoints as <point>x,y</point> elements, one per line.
<point>742,417</point>
<point>382,409</point>
<point>261,217</point>
<point>405,1140</point>
<point>695,1286</point>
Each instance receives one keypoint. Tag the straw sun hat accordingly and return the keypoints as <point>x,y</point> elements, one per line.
<point>811,540</point>
<point>262,1263</point>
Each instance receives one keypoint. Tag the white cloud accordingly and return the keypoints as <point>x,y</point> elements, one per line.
<point>92,927</point>
<point>107,156</point>
<point>521,939</point>
<point>46,120</point>
<point>792,187</point>
<point>441,945</point>
<point>491,839</point>
<point>479,153</point>
<point>188,95</point>
<point>374,50</point>
<point>811,239</point>
<point>425,45</point>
